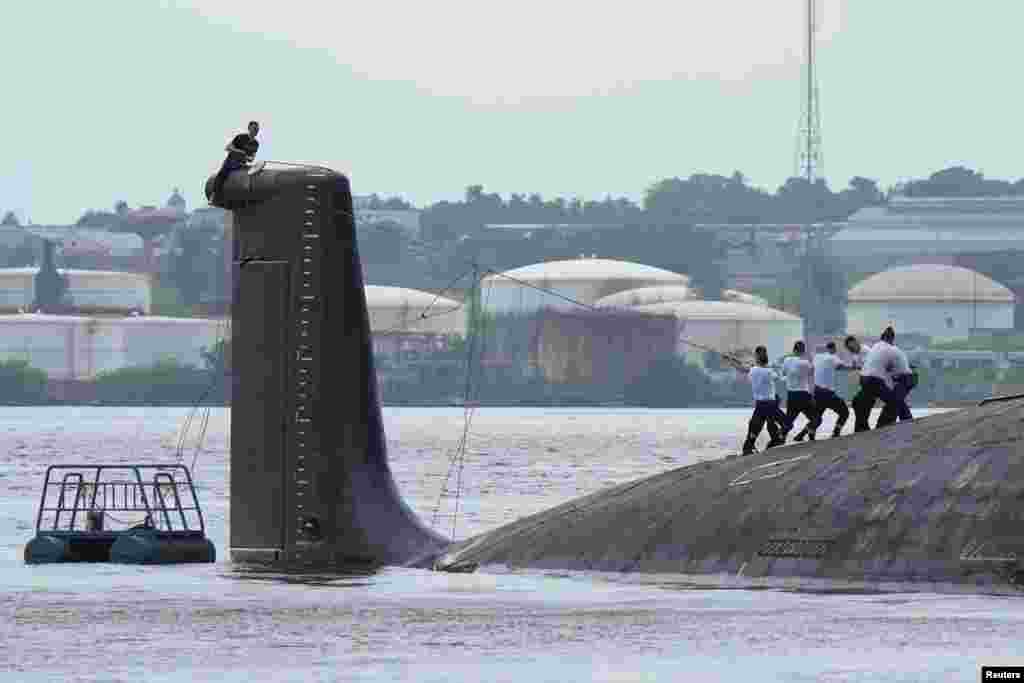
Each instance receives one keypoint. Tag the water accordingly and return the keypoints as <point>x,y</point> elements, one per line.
<point>217,623</point>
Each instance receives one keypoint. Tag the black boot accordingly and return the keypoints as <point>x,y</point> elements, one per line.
<point>801,434</point>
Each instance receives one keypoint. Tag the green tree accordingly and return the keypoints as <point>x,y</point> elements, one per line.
<point>22,383</point>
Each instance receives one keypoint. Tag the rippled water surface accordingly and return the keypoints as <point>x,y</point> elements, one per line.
<point>218,623</point>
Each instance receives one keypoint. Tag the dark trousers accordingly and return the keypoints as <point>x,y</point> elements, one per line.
<point>226,168</point>
<point>765,412</point>
<point>826,399</point>
<point>802,402</point>
<point>897,408</point>
<point>871,390</point>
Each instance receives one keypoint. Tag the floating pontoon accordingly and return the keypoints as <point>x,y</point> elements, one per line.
<point>133,514</point>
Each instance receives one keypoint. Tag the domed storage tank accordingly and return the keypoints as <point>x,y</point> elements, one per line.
<point>404,319</point>
<point>90,291</point>
<point>657,295</point>
<point>940,301</point>
<point>730,327</point>
<point>583,280</point>
<point>411,311</point>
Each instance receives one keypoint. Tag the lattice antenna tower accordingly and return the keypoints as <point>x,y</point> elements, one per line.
<point>810,162</point>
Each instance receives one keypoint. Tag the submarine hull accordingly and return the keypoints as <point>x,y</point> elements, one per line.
<point>938,499</point>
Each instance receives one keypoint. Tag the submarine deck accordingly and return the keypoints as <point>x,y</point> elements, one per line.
<point>937,499</point>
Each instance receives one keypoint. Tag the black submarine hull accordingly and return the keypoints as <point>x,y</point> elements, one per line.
<point>935,500</point>
<point>939,500</point>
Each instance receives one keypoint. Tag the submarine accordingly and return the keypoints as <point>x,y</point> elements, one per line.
<point>934,501</point>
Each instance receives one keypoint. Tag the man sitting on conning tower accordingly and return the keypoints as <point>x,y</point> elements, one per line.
<point>241,150</point>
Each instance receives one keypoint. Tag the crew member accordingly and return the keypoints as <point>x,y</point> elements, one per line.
<point>902,378</point>
<point>799,373</point>
<point>766,408</point>
<point>875,382</point>
<point>825,398</point>
<point>241,150</point>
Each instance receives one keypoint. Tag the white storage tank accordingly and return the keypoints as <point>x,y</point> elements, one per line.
<point>149,339</point>
<point>730,327</point>
<point>411,311</point>
<point>64,346</point>
<point>940,301</point>
<point>69,347</point>
<point>657,295</point>
<point>584,280</point>
<point>90,291</point>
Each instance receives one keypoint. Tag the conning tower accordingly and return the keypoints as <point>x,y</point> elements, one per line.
<point>310,481</point>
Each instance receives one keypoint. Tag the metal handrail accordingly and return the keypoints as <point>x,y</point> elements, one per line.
<point>134,497</point>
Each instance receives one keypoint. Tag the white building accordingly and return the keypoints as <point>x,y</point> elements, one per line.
<point>730,327</point>
<point>912,229</point>
<point>71,347</point>
<point>90,291</point>
<point>583,280</point>
<point>940,301</point>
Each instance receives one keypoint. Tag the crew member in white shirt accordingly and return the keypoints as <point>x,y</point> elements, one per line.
<point>875,383</point>
<point>766,407</point>
<point>799,375</point>
<point>902,380</point>
<point>825,398</point>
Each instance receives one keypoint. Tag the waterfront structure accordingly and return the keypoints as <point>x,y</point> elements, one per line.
<point>608,348</point>
<point>940,301</point>
<point>89,291</point>
<point>560,284</point>
<point>729,326</point>
<point>75,347</point>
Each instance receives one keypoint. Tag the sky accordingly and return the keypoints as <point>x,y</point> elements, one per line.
<point>128,99</point>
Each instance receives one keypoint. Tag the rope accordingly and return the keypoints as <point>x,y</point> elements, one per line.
<point>467,417</point>
<point>205,419</point>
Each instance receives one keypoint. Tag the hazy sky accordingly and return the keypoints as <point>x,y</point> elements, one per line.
<point>113,99</point>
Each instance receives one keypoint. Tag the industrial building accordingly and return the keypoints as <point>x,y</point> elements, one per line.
<point>729,326</point>
<point>73,347</point>
<point>910,229</point>
<point>560,284</point>
<point>89,291</point>
<point>939,301</point>
<point>610,348</point>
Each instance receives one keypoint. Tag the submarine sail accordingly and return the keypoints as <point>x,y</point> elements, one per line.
<point>310,481</point>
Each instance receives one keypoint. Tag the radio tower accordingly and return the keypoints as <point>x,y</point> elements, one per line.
<point>810,163</point>
<point>815,305</point>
